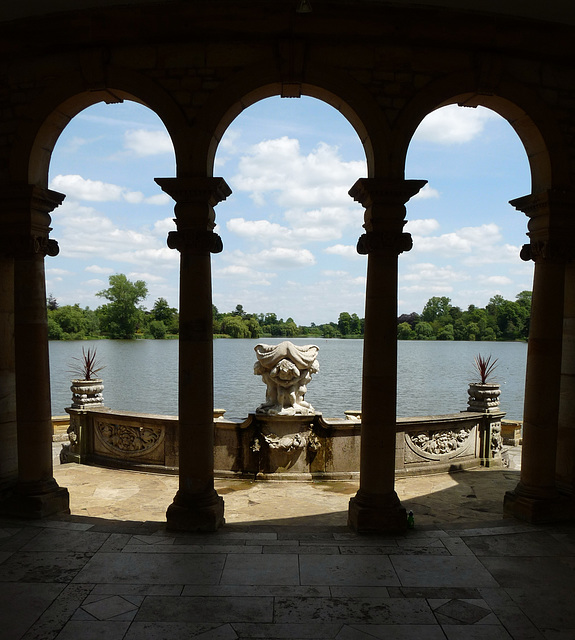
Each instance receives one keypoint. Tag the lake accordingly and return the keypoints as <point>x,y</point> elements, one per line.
<point>141,375</point>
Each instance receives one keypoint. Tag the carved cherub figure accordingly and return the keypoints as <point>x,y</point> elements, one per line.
<point>286,370</point>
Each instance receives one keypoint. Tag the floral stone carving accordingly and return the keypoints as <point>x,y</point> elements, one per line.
<point>286,369</point>
<point>128,439</point>
<point>439,442</point>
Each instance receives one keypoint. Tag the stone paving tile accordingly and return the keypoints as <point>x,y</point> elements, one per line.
<point>348,570</point>
<point>192,548</point>
<point>440,571</point>
<point>371,610</point>
<point>469,632</point>
<point>557,574</point>
<point>134,568</point>
<point>447,593</point>
<point>265,569</point>
<point>509,614</point>
<point>308,630</point>
<point>18,539</point>
<point>360,592</point>
<point>58,613</point>
<point>254,590</point>
<point>457,546</point>
<point>139,589</point>
<point>44,566</point>
<point>558,634</point>
<point>546,609</point>
<point>206,609</point>
<point>115,542</point>
<point>22,603</point>
<point>411,551</point>
<point>94,630</point>
<point>179,631</point>
<point>55,540</point>
<point>395,632</point>
<point>537,543</point>
<point>304,549</point>
<point>461,611</point>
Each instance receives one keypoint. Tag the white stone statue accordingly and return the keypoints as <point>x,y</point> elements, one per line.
<point>286,369</point>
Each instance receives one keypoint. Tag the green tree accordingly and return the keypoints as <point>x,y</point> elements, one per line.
<point>435,308</point>
<point>446,333</point>
<point>157,329</point>
<point>423,331</point>
<point>404,331</point>
<point>235,327</point>
<point>122,316</point>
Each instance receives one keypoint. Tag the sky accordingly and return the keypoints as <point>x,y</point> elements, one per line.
<point>290,228</point>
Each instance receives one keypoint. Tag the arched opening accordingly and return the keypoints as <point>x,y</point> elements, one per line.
<point>114,220</point>
<point>290,231</point>
<point>464,278</point>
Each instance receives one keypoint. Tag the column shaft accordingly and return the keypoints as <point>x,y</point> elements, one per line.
<point>8,435</point>
<point>566,436</point>
<point>536,497</point>
<point>36,493</point>
<point>376,506</point>
<point>196,506</point>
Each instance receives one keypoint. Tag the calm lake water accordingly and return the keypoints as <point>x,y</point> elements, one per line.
<point>141,375</point>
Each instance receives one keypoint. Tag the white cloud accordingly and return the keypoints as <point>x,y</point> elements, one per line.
<point>431,278</point>
<point>425,193</point>
<point>463,241</point>
<point>422,227</point>
<point>78,188</point>
<point>496,281</point>
<point>164,226</point>
<point>453,125</point>
<point>146,142</point>
<point>283,258</point>
<point>319,179</point>
<point>345,251</point>
<point>146,276</point>
<point>94,268</point>
<point>54,271</point>
<point>85,233</point>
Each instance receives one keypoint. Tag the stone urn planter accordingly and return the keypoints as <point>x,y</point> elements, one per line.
<point>483,397</point>
<point>87,394</point>
<point>87,387</point>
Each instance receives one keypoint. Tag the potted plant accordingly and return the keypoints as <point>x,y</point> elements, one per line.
<point>87,387</point>
<point>484,394</point>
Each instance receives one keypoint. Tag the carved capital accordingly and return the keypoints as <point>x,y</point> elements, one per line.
<point>380,242</point>
<point>207,191</point>
<point>370,191</point>
<point>551,225</point>
<point>196,241</point>
<point>558,251</point>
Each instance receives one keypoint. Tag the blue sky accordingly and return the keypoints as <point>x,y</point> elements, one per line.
<point>289,228</point>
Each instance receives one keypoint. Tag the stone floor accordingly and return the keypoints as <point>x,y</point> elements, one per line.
<point>285,565</point>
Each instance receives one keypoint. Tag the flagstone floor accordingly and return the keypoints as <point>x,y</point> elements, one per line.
<point>285,565</point>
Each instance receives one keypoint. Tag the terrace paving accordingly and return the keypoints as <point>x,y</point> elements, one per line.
<point>285,565</point>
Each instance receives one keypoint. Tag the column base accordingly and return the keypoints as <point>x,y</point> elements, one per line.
<point>190,513</point>
<point>21,504</point>
<point>369,514</point>
<point>538,509</point>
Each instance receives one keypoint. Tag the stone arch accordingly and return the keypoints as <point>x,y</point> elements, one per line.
<point>531,120</point>
<point>65,98</point>
<point>250,86</point>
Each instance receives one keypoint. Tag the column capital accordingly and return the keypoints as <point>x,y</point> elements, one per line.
<point>384,202</point>
<point>371,191</point>
<point>195,190</point>
<point>551,226</point>
<point>25,220</point>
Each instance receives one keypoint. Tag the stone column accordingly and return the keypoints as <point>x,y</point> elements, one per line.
<point>36,493</point>
<point>566,433</point>
<point>536,498</point>
<point>8,439</point>
<point>376,506</point>
<point>196,506</point>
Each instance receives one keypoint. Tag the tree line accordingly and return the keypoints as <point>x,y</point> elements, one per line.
<point>124,317</point>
